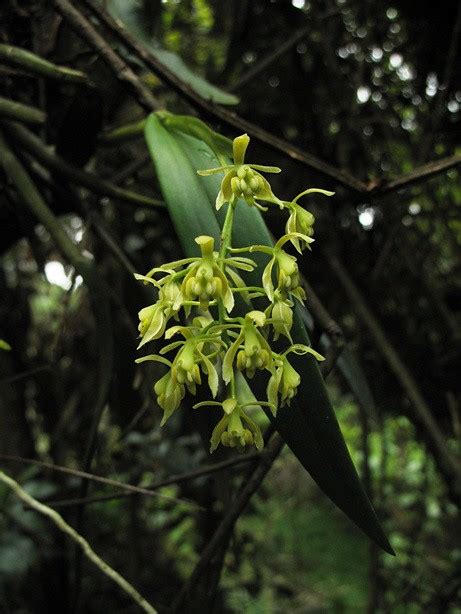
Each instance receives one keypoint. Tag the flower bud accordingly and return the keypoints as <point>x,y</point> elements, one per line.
<point>289,383</point>
<point>288,274</point>
<point>152,322</point>
<point>169,395</point>
<point>282,315</point>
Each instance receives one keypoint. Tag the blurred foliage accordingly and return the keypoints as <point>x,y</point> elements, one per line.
<point>374,88</point>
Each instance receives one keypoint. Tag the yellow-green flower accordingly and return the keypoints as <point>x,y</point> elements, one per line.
<point>169,395</point>
<point>154,318</point>
<point>184,371</point>
<point>300,220</point>
<point>250,350</point>
<point>235,429</point>
<point>287,272</point>
<point>243,180</point>
<point>152,322</point>
<point>204,280</point>
<point>285,379</point>
<point>281,315</point>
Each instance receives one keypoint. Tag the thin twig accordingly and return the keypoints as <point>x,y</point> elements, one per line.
<point>100,227</point>
<point>322,316</point>
<point>24,374</point>
<point>175,479</point>
<point>79,540</point>
<point>422,173</point>
<point>127,488</point>
<point>117,28</point>
<point>29,194</point>
<point>131,169</point>
<point>83,28</point>
<point>33,145</point>
<point>210,110</point>
<point>268,456</point>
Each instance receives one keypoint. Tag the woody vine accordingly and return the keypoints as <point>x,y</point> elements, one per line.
<point>214,344</point>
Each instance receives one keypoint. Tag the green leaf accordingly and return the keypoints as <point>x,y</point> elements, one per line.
<point>131,14</point>
<point>219,144</point>
<point>309,426</point>
<point>182,188</point>
<point>352,371</point>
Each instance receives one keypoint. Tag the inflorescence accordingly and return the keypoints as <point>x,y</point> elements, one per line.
<point>214,345</point>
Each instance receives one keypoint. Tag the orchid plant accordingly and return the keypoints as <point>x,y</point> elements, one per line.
<point>213,344</point>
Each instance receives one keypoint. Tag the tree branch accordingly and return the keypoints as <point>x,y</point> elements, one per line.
<point>175,479</point>
<point>422,173</point>
<point>79,540</point>
<point>211,110</point>
<point>83,28</point>
<point>127,488</point>
<point>33,145</point>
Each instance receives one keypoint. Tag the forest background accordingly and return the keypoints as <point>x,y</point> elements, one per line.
<point>360,98</point>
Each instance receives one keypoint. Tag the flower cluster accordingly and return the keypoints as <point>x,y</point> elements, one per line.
<point>214,344</point>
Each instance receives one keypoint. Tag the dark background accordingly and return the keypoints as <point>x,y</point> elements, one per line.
<point>374,90</point>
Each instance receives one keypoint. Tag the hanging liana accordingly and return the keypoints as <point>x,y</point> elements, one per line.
<point>213,347</point>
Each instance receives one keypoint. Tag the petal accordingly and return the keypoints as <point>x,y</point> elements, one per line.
<point>239,147</point>
<point>265,193</point>
<point>156,328</point>
<point>273,388</point>
<point>147,280</point>
<point>239,283</point>
<point>293,235</point>
<point>206,244</point>
<point>228,298</point>
<point>265,169</point>
<point>213,380</point>
<point>179,301</point>
<point>213,171</point>
<point>312,191</point>
<point>254,428</point>
<point>267,279</point>
<point>171,346</point>
<point>154,358</point>
<point>300,350</point>
<point>171,332</point>
<point>228,362</point>
<point>206,404</point>
<point>217,432</point>
<point>290,228</point>
<point>171,405</point>
<point>299,294</point>
<point>258,317</point>
<point>220,200</point>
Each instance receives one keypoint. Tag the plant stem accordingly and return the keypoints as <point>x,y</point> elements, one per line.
<point>226,237</point>
<point>78,539</point>
<point>226,233</point>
